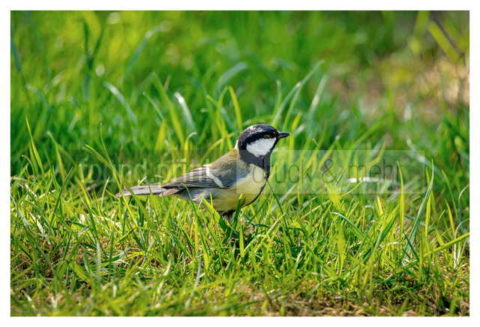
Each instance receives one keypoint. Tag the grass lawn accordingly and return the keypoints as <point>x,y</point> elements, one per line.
<point>101,101</point>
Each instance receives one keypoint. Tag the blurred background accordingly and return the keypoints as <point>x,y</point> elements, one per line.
<point>79,74</point>
<point>149,87</point>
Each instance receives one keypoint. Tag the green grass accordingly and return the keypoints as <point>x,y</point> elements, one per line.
<point>106,100</point>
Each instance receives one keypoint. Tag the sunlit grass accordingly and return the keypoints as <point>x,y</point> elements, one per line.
<point>101,101</point>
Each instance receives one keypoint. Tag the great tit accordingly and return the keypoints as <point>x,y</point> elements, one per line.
<point>236,179</point>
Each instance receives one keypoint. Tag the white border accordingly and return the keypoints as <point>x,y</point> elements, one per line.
<point>5,163</point>
<point>474,166</point>
<point>241,5</point>
<point>236,5</point>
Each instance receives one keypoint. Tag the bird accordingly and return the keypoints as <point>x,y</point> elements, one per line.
<point>234,180</point>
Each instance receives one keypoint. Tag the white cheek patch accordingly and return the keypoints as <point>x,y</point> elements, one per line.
<point>261,147</point>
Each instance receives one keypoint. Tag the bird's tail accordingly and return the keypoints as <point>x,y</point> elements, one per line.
<point>148,190</point>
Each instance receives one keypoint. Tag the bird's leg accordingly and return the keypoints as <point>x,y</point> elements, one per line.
<point>228,222</point>
<point>234,237</point>
<point>225,221</point>
<point>228,215</point>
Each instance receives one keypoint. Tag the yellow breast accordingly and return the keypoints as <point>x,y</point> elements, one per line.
<point>246,190</point>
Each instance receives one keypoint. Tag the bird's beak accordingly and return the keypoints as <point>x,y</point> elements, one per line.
<point>281,135</point>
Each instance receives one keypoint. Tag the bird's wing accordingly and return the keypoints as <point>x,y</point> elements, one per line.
<point>198,177</point>
<point>222,173</point>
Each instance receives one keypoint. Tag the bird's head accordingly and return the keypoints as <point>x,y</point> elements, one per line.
<point>258,141</point>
